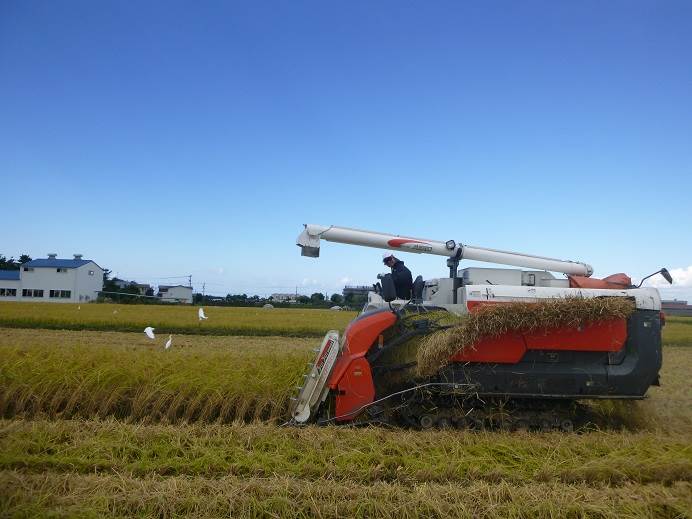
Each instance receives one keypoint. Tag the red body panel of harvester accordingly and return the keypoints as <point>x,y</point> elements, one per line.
<point>352,378</point>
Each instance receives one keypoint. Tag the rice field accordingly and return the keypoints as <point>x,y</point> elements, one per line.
<point>180,319</point>
<point>109,423</point>
<point>678,331</point>
<point>67,374</point>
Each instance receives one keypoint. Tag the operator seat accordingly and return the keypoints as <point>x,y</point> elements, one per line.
<point>417,290</point>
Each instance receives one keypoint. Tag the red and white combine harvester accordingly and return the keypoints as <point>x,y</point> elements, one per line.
<point>515,380</point>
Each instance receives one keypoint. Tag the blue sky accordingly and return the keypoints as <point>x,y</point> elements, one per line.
<point>173,138</point>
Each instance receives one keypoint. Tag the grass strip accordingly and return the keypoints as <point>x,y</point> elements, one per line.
<point>364,455</point>
<point>122,495</point>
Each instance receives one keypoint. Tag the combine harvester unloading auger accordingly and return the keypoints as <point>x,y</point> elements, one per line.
<point>485,347</point>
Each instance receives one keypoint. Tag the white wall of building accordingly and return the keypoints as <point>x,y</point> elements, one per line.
<point>47,279</point>
<point>83,284</point>
<point>178,293</point>
<point>12,284</point>
<point>89,279</point>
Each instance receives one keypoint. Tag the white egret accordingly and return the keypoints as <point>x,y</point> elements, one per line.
<point>201,314</point>
<point>149,331</point>
<point>169,341</point>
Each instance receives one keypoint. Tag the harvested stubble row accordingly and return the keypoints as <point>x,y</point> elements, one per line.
<point>124,375</point>
<point>121,495</point>
<point>495,320</point>
<point>359,455</point>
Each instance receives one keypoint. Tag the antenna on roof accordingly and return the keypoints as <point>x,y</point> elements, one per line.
<point>78,256</point>
<point>52,255</point>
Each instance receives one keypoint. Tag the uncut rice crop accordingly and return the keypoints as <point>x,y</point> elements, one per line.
<point>495,320</point>
<point>677,331</point>
<point>125,375</point>
<point>293,322</point>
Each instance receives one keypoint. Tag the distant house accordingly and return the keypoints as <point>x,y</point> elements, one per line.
<point>143,289</point>
<point>52,280</point>
<point>356,290</point>
<point>10,285</point>
<point>175,294</point>
<point>120,283</point>
<point>676,307</point>
<point>284,298</point>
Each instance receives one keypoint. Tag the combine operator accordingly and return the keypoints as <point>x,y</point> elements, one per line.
<point>400,274</point>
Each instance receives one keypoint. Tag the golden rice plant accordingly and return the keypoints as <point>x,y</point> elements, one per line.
<point>293,322</point>
<point>68,494</point>
<point>365,454</point>
<point>92,374</point>
<point>677,331</point>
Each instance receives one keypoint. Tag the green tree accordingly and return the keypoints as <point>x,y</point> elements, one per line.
<point>317,297</point>
<point>8,264</point>
<point>13,264</point>
<point>337,299</point>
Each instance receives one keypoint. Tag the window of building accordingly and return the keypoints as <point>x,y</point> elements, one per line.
<point>32,292</point>
<point>8,292</point>
<point>62,270</point>
<point>62,294</point>
<point>28,269</point>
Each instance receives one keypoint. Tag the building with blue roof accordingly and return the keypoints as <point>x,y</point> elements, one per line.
<point>9,275</point>
<point>53,280</point>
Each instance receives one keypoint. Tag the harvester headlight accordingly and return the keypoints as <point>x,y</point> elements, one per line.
<point>451,245</point>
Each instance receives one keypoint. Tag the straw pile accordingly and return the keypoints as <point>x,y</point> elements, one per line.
<point>495,320</point>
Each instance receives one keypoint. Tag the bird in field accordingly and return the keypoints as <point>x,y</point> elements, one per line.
<point>169,341</point>
<point>79,307</point>
<point>201,314</point>
<point>149,331</point>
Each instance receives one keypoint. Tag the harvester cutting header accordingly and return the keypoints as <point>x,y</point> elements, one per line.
<point>484,347</point>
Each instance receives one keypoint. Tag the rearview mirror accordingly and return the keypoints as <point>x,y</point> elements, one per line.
<point>388,288</point>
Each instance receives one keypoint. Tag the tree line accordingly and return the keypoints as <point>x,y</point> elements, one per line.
<point>316,300</point>
<point>13,264</point>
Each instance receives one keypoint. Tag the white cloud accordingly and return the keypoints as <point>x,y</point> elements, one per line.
<point>682,277</point>
<point>345,280</point>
